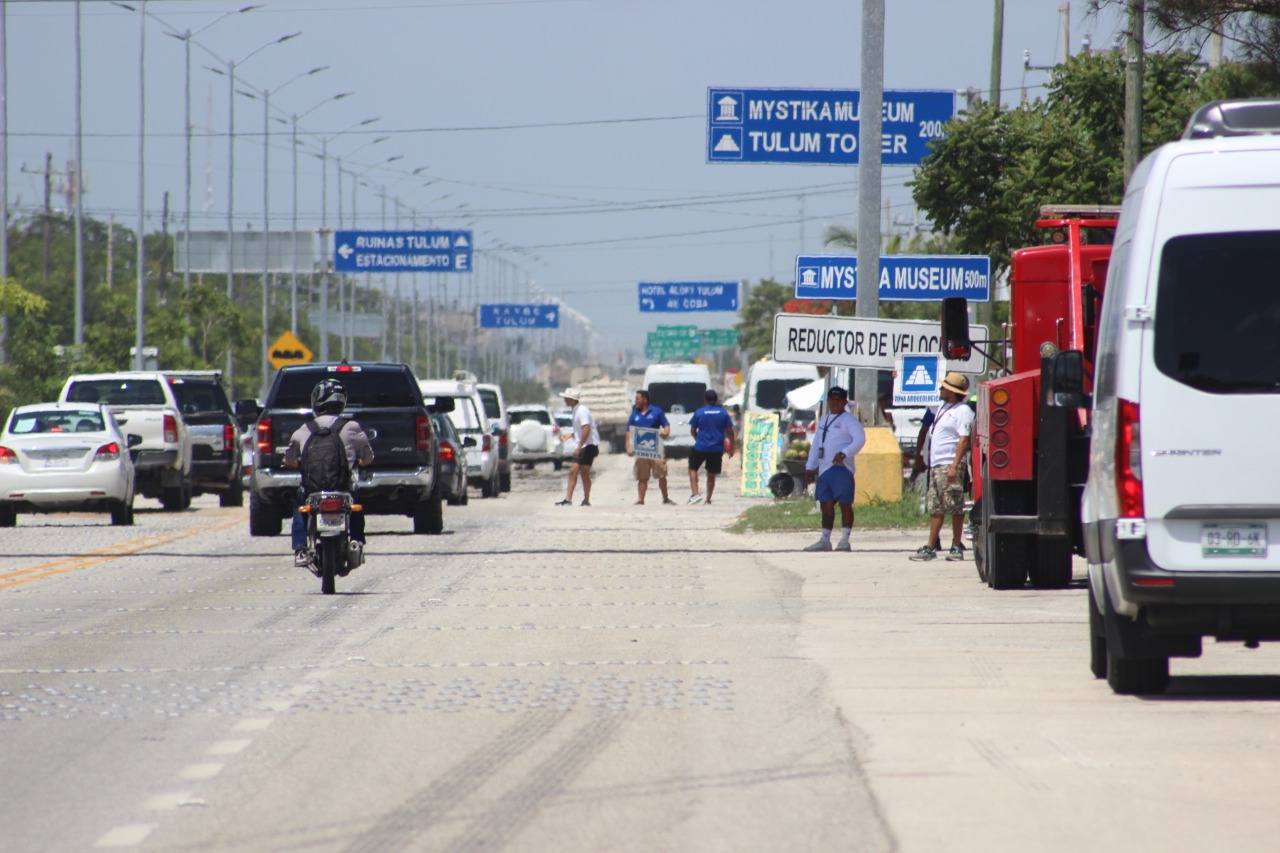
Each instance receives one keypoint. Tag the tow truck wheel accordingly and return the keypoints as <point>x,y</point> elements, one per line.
<point>979,541</point>
<point>1052,568</point>
<point>1006,556</point>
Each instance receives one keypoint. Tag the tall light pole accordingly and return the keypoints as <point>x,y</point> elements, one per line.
<point>78,337</point>
<point>266,213</point>
<point>230,74</point>
<point>293,277</point>
<point>4,174</point>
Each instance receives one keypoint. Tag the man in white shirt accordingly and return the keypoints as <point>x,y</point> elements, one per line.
<point>948,452</point>
<point>837,438</point>
<point>588,436</point>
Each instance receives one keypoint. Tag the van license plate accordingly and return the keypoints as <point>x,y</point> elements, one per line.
<point>1233,540</point>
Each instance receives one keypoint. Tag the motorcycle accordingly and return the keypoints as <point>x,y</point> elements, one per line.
<point>330,548</point>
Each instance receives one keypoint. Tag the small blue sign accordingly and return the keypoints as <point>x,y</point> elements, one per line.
<point>820,125</point>
<point>920,372</point>
<point>903,278</point>
<point>402,251</point>
<point>678,296</point>
<point>513,316</point>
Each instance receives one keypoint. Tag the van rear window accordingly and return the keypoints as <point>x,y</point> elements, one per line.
<point>366,389</point>
<point>772,393</point>
<point>1217,312</point>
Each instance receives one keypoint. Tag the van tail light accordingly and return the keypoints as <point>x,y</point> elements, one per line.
<point>8,457</point>
<point>170,429</point>
<point>486,443</point>
<point>229,437</point>
<point>424,432</point>
<point>264,436</point>
<point>107,452</point>
<point>446,453</point>
<point>1129,461</point>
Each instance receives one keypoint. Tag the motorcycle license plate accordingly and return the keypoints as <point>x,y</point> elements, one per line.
<point>330,521</point>
<point>1233,540</point>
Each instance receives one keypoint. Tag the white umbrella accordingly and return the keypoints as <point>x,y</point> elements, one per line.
<point>807,396</point>
<point>735,400</point>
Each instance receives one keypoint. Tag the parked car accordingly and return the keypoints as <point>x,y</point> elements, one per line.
<point>535,437</point>
<point>215,435</point>
<point>451,479</point>
<point>65,457</point>
<point>144,403</point>
<point>479,436</point>
<point>495,410</point>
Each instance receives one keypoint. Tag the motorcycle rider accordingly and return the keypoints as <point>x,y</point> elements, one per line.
<point>328,399</point>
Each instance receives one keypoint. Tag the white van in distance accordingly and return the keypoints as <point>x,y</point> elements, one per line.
<point>767,384</point>
<point>678,388</point>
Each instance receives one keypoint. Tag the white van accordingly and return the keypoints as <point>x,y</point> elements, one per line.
<point>767,384</point>
<point>1181,511</point>
<point>678,388</point>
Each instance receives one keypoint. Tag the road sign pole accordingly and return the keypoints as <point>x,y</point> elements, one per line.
<point>869,106</point>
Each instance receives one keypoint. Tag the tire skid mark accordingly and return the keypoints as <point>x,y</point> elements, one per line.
<point>502,821</point>
<point>400,828</point>
<point>994,755</point>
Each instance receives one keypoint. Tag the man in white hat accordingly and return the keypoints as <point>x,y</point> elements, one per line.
<point>948,451</point>
<point>588,435</point>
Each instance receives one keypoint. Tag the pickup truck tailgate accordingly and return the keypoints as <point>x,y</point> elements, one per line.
<point>393,435</point>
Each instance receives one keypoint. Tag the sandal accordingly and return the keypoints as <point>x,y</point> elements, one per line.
<point>565,502</point>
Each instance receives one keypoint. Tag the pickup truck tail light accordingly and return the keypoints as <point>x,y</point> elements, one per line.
<point>264,436</point>
<point>446,453</point>
<point>8,457</point>
<point>502,438</point>
<point>424,432</point>
<point>107,452</point>
<point>229,438</point>
<point>486,443</point>
<point>1129,461</point>
<point>170,429</point>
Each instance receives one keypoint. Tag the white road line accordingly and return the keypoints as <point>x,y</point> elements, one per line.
<point>200,772</point>
<point>253,724</point>
<point>125,836</point>
<point>228,747</point>
<point>167,802</point>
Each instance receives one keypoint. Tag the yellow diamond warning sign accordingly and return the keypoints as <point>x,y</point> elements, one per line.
<point>289,350</point>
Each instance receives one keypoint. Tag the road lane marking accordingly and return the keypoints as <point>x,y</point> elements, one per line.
<point>228,747</point>
<point>114,552</point>
<point>200,772</point>
<point>125,836</point>
<point>256,724</point>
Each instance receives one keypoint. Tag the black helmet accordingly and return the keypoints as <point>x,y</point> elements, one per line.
<point>328,397</point>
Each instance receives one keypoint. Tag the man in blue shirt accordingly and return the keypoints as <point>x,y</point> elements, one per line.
<point>648,417</point>
<point>711,426</point>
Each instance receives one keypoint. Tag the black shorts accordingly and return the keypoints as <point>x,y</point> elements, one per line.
<point>587,455</point>
<point>713,460</point>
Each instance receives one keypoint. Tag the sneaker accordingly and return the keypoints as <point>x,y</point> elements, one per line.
<point>924,554</point>
<point>639,503</point>
<point>565,502</point>
<point>843,545</point>
<point>585,502</point>
<point>695,499</point>
<point>668,501</point>
<point>820,545</point>
<point>955,554</point>
<point>300,559</point>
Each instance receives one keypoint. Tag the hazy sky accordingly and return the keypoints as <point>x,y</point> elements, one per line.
<point>572,130</point>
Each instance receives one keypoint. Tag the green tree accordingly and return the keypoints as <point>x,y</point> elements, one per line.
<point>764,301</point>
<point>1252,27</point>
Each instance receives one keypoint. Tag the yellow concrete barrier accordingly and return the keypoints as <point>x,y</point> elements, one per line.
<point>879,465</point>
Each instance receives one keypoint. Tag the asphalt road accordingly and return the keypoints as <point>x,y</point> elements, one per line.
<point>578,679</point>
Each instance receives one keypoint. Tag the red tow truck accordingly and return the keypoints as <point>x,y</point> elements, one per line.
<point>1030,454</point>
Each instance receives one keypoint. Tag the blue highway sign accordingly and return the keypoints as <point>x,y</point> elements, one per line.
<point>820,125</point>
<point>903,278</point>
<point>689,296</point>
<point>402,251</point>
<point>519,316</point>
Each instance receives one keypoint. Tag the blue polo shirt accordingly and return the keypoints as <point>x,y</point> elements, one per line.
<point>712,424</point>
<point>652,419</point>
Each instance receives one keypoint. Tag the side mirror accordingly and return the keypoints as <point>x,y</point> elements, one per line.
<point>247,411</point>
<point>1062,378</point>
<point>470,441</point>
<point>442,405</point>
<point>955,328</point>
<point>495,427</point>
<point>133,439</point>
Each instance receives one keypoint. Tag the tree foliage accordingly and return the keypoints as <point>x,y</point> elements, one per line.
<point>1250,27</point>
<point>755,331</point>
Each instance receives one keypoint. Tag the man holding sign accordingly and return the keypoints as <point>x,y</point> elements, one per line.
<point>646,428</point>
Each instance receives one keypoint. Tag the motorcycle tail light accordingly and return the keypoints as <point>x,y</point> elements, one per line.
<point>264,436</point>
<point>7,456</point>
<point>424,432</point>
<point>107,452</point>
<point>331,505</point>
<point>170,429</point>
<point>229,437</point>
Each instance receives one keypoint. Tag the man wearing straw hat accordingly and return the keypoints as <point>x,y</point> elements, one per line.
<point>948,451</point>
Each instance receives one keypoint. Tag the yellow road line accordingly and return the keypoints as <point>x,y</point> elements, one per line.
<point>114,552</point>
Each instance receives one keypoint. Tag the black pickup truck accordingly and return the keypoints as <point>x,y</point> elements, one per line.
<point>385,400</point>
<point>215,434</point>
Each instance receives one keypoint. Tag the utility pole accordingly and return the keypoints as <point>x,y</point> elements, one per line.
<point>870,106</point>
<point>997,52</point>
<point>1133,90</point>
<point>48,214</point>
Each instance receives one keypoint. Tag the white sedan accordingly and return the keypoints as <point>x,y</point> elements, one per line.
<point>65,457</point>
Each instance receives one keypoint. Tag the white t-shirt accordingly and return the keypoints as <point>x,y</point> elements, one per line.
<point>582,417</point>
<point>952,421</point>
<point>834,434</point>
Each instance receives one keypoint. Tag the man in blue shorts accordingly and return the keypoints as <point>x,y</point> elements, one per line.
<point>837,438</point>
<point>711,426</point>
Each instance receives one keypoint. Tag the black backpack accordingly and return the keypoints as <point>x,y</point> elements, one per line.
<point>324,459</point>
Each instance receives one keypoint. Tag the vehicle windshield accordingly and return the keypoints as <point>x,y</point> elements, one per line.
<point>1217,323</point>
<point>366,389</point>
<point>117,392</point>
<point>519,417</point>
<point>772,393</point>
<point>677,397</point>
<point>200,396</point>
<point>464,415</point>
<point>56,420</point>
